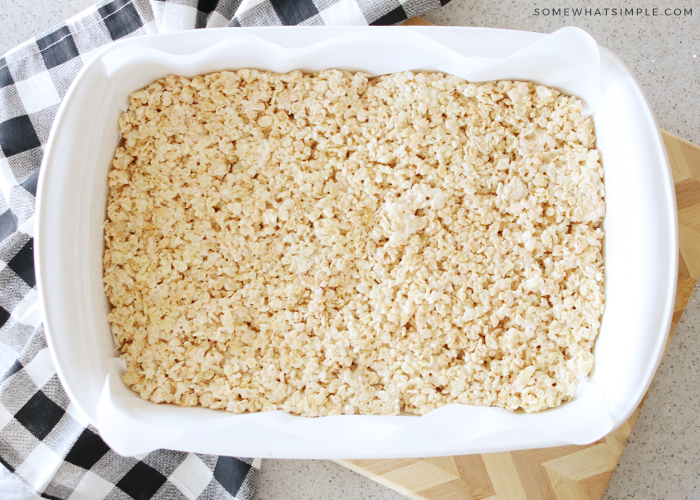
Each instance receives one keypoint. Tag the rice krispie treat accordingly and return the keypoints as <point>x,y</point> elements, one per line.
<point>338,244</point>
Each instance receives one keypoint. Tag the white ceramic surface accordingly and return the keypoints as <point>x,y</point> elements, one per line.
<point>641,235</point>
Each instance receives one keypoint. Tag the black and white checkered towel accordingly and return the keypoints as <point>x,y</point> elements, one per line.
<point>46,447</point>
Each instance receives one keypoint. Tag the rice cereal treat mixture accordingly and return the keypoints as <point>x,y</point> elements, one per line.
<point>337,244</point>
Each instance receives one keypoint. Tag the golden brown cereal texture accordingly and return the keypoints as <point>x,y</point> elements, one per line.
<point>337,244</point>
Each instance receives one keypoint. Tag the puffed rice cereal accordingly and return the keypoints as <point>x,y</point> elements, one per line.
<point>338,244</point>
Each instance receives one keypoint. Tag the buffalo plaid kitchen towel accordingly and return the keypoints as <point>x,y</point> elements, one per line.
<point>46,447</point>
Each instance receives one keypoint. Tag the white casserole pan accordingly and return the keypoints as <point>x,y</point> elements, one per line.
<point>641,244</point>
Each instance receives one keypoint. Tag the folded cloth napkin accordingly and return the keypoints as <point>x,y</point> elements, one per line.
<point>46,446</point>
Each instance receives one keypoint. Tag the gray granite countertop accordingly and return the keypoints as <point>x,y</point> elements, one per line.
<point>662,459</point>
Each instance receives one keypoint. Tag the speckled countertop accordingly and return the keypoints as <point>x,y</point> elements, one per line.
<point>662,458</point>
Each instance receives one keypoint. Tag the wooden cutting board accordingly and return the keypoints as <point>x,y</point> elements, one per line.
<point>567,472</point>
